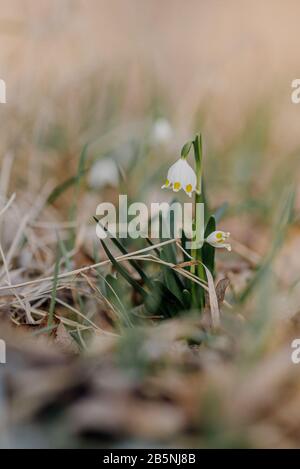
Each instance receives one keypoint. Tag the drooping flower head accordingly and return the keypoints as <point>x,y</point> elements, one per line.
<point>217,239</point>
<point>162,131</point>
<point>103,173</point>
<point>181,176</point>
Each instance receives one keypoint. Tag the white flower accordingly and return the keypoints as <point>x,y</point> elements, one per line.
<point>181,176</point>
<point>162,131</point>
<point>217,239</point>
<point>103,173</point>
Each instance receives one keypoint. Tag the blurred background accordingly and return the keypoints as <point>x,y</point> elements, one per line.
<point>134,80</point>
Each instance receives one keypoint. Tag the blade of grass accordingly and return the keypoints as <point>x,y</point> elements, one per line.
<point>53,293</point>
<point>123,250</point>
<point>61,188</point>
<point>77,183</point>
<point>280,228</point>
<point>122,271</point>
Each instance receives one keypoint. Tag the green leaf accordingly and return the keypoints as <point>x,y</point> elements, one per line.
<point>61,188</point>
<point>186,149</point>
<point>156,250</point>
<point>54,289</point>
<point>65,253</point>
<point>162,300</point>
<point>187,298</point>
<point>122,271</point>
<point>187,282</point>
<point>208,251</point>
<point>169,249</point>
<point>168,254</point>
<point>123,250</point>
<point>171,279</point>
<point>113,293</point>
<point>73,209</point>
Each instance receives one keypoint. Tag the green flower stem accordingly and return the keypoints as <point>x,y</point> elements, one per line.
<point>197,254</point>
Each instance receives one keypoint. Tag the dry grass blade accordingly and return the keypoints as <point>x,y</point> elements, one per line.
<point>86,268</point>
<point>213,300</point>
<point>186,264</point>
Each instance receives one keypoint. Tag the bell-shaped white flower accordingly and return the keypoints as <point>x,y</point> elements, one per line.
<point>103,173</point>
<point>161,132</point>
<point>181,176</point>
<point>217,239</point>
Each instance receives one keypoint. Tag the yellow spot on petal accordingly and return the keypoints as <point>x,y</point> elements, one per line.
<point>177,186</point>
<point>189,188</point>
<point>219,236</point>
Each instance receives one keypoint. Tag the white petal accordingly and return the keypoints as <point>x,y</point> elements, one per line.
<point>222,245</point>
<point>103,172</point>
<point>181,172</point>
<point>162,131</point>
<point>218,242</point>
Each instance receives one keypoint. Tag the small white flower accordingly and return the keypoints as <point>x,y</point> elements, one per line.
<point>217,239</point>
<point>162,131</point>
<point>181,176</point>
<point>103,173</point>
